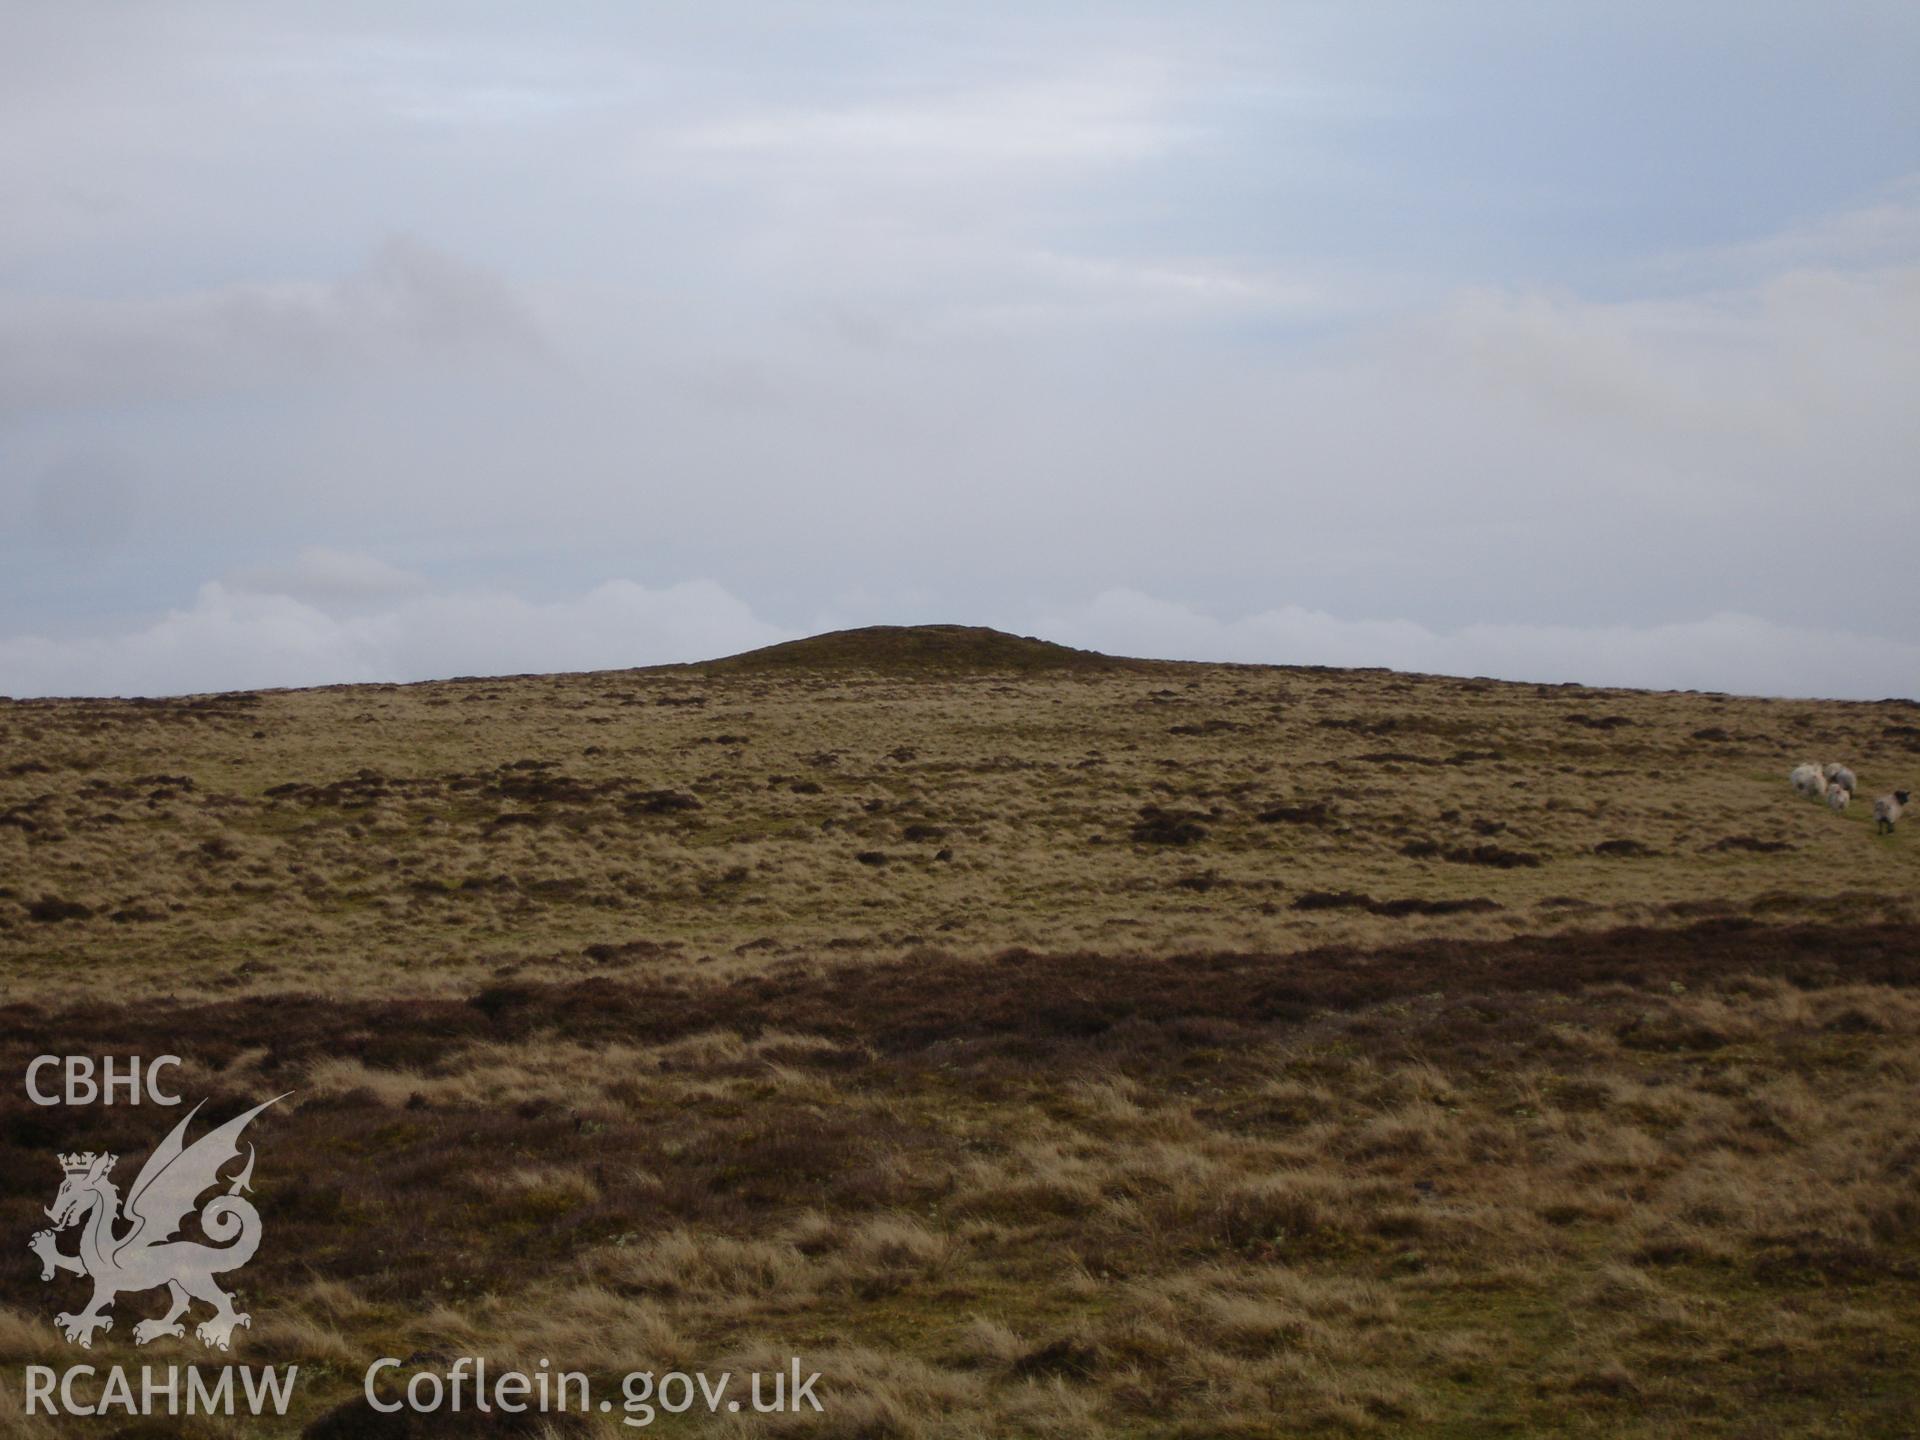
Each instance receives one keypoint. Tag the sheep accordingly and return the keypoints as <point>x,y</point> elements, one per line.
<point>1888,808</point>
<point>1838,797</point>
<point>1808,780</point>
<point>1838,774</point>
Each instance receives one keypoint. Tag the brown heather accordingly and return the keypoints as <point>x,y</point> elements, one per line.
<point>1036,1044</point>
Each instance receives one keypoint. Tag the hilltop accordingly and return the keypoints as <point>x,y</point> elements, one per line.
<point>917,650</point>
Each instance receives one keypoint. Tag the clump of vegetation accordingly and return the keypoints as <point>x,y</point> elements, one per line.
<point>1158,825</point>
<point>1623,849</point>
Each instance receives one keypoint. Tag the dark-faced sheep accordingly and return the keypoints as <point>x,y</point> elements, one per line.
<point>1889,808</point>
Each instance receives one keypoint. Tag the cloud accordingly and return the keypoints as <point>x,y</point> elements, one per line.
<point>1255,306</point>
<point>333,617</point>
<point>407,305</point>
<point>1741,654</point>
<point>324,577</point>
<point>1111,114</point>
<point>250,638</point>
<point>1757,362</point>
<point>1884,229</point>
<point>86,498</point>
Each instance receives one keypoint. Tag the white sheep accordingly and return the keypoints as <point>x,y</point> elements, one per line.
<point>1808,780</point>
<point>1838,774</point>
<point>1889,808</point>
<point>1838,797</point>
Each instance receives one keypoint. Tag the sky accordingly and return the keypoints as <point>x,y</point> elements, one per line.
<point>389,341</point>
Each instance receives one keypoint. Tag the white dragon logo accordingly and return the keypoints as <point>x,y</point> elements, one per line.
<point>146,1255</point>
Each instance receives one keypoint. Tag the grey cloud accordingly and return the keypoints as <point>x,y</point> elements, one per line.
<point>1089,113</point>
<point>1883,229</point>
<point>327,578</point>
<point>260,634</point>
<point>409,305</point>
<point>1368,313</point>
<point>1730,652</point>
<point>85,499</point>
<point>233,638</point>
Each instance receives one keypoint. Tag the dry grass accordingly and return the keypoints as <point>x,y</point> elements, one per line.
<point>420,839</point>
<point>1612,1206</point>
<point>1090,1128</point>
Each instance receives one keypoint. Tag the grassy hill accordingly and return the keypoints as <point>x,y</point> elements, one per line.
<point>1037,1042</point>
<point>919,650</point>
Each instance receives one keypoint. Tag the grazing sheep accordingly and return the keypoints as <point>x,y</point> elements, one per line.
<point>1838,797</point>
<point>1838,774</point>
<point>1888,808</point>
<point>1808,780</point>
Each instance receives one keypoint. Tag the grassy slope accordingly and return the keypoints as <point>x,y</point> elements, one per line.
<point>1077,1130</point>
<point>423,836</point>
<point>918,651</point>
